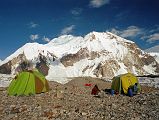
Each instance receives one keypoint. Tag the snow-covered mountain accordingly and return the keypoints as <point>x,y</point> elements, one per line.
<point>97,55</point>
<point>154,51</point>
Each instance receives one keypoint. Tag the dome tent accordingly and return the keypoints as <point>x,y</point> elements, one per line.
<point>27,83</point>
<point>123,82</point>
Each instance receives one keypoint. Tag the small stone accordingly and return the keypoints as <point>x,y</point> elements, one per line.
<point>136,118</point>
<point>113,106</point>
<point>16,110</point>
<point>77,110</point>
<point>1,109</point>
<point>10,116</point>
<point>84,114</point>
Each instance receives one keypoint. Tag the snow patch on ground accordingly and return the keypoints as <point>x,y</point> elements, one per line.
<point>62,80</point>
<point>5,80</point>
<point>152,82</point>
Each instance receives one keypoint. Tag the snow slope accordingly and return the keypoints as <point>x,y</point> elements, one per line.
<point>156,56</point>
<point>154,51</point>
<point>31,51</point>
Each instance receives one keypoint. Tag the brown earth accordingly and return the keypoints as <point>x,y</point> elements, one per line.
<point>73,101</point>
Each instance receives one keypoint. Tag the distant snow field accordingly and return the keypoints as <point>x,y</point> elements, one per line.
<point>152,82</point>
<point>6,79</point>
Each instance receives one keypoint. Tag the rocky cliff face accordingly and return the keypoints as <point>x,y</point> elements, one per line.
<point>83,53</point>
<point>96,55</point>
<point>21,63</point>
<point>7,67</point>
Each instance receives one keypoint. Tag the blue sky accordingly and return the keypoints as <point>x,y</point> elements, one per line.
<point>23,21</point>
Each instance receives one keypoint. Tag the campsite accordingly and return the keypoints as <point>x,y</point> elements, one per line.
<point>79,59</point>
<point>73,101</point>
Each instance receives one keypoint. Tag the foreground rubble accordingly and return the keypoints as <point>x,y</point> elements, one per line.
<point>73,101</point>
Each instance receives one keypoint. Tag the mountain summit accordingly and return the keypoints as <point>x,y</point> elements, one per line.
<point>96,54</point>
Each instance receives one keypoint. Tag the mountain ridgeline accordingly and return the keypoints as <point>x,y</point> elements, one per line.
<point>96,55</point>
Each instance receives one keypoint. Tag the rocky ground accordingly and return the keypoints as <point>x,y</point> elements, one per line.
<point>73,101</point>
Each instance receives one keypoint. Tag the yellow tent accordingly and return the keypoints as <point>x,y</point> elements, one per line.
<point>125,81</point>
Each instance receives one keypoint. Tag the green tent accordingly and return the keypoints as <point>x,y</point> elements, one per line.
<point>27,83</point>
<point>123,82</point>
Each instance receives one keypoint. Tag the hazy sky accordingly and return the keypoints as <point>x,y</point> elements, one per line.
<point>23,21</point>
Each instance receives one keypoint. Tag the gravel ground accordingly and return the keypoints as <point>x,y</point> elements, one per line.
<point>73,101</point>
